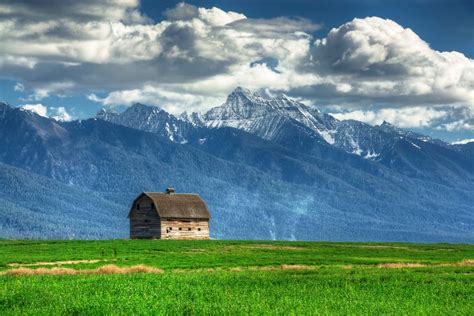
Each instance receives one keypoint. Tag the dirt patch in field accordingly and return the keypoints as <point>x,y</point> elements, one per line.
<point>263,268</point>
<point>464,263</point>
<point>194,250</point>
<point>107,269</point>
<point>284,267</point>
<point>53,263</point>
<point>113,269</point>
<point>40,271</point>
<point>249,268</point>
<point>297,267</point>
<point>400,265</point>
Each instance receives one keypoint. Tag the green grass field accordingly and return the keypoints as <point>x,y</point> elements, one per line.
<point>238,277</point>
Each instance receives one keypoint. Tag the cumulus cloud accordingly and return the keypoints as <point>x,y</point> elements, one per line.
<point>109,50</point>
<point>383,62</point>
<point>213,16</point>
<point>104,52</point>
<point>405,117</point>
<point>458,118</point>
<point>38,108</point>
<point>461,124</point>
<point>171,99</point>
<point>60,114</point>
<point>80,11</point>
<point>57,113</point>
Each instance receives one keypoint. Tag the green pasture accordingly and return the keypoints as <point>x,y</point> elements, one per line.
<point>239,277</point>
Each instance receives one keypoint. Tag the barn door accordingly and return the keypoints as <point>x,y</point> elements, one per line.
<point>146,232</point>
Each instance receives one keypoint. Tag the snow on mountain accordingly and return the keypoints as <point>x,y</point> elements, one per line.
<point>392,129</point>
<point>276,118</point>
<point>195,118</point>
<point>399,192</point>
<point>465,147</point>
<point>272,117</point>
<point>264,117</point>
<point>463,141</point>
<point>150,119</point>
<point>361,139</point>
<point>107,115</point>
<point>288,123</point>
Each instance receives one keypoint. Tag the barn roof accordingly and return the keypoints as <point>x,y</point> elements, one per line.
<point>178,205</point>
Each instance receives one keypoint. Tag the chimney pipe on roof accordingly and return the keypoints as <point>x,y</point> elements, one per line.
<point>170,190</point>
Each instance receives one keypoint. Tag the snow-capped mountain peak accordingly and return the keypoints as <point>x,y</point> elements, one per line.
<point>143,109</point>
<point>151,119</point>
<point>106,114</point>
<point>195,118</point>
<point>279,119</point>
<point>241,103</point>
<point>394,130</point>
<point>242,93</point>
<point>265,115</point>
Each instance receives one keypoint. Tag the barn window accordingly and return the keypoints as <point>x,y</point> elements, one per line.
<point>138,206</point>
<point>152,206</point>
<point>189,228</point>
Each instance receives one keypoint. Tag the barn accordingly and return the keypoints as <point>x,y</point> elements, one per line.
<point>169,215</point>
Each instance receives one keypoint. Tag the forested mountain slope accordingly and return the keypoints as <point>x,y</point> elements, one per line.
<point>77,179</point>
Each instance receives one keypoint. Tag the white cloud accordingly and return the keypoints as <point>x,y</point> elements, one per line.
<point>19,87</point>
<point>406,117</point>
<point>38,108</point>
<point>7,60</point>
<point>57,113</point>
<point>44,92</point>
<point>462,124</point>
<point>385,62</point>
<point>460,118</point>
<point>194,57</point>
<point>206,93</point>
<point>81,11</point>
<point>60,114</point>
<point>168,98</point>
<point>463,141</point>
<point>195,43</point>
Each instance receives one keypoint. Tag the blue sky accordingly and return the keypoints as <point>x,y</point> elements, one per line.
<point>410,64</point>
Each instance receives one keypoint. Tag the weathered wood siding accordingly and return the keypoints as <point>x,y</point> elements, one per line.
<point>144,222</point>
<point>184,229</point>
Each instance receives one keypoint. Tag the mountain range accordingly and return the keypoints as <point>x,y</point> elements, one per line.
<point>268,166</point>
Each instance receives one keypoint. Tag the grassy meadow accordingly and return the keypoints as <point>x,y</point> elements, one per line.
<point>234,277</point>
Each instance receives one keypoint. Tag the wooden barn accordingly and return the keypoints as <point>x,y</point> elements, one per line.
<point>169,215</point>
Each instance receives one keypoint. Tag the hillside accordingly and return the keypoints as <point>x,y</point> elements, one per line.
<point>292,183</point>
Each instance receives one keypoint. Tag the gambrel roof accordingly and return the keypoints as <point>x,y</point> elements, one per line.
<point>177,205</point>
